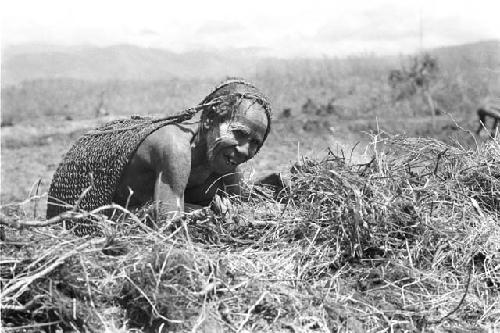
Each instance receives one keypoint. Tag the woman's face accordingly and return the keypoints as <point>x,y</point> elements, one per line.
<point>237,140</point>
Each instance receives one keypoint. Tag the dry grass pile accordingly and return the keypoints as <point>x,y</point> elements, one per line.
<point>407,242</point>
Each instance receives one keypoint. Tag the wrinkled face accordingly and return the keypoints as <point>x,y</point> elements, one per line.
<point>237,140</point>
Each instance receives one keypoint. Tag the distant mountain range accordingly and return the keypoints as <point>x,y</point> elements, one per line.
<point>126,62</point>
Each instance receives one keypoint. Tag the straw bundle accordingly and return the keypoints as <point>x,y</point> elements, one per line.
<point>409,241</point>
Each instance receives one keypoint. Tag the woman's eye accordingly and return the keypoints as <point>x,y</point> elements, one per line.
<point>239,133</point>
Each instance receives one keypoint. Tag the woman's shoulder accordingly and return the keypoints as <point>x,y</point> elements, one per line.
<point>166,144</point>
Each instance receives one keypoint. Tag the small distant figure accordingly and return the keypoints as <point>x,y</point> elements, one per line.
<point>407,82</point>
<point>100,110</point>
<point>330,107</point>
<point>66,112</point>
<point>491,110</point>
<point>309,107</point>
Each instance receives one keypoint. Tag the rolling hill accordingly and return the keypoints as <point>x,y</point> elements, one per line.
<point>123,62</point>
<point>127,62</point>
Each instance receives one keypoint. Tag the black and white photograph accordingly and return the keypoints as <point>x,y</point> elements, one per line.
<point>264,166</point>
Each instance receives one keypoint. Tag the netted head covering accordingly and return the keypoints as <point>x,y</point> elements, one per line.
<point>223,101</point>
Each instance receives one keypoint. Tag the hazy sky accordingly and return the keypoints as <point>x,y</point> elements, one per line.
<point>282,28</point>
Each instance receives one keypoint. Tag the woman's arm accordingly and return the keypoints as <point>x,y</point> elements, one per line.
<point>170,156</point>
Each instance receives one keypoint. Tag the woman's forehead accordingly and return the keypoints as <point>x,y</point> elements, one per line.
<point>251,111</point>
<point>252,122</point>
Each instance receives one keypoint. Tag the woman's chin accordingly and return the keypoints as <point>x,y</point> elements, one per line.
<point>228,169</point>
<point>221,166</point>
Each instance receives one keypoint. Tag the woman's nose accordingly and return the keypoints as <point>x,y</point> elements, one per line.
<point>243,150</point>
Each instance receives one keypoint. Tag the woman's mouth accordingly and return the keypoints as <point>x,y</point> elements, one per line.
<point>230,161</point>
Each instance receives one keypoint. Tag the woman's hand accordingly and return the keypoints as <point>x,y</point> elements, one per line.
<point>221,205</point>
<point>197,212</point>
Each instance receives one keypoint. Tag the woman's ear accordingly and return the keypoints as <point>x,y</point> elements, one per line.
<point>207,122</point>
<point>215,114</point>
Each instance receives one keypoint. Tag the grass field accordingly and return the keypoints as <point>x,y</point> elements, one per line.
<point>392,247</point>
<point>48,115</point>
